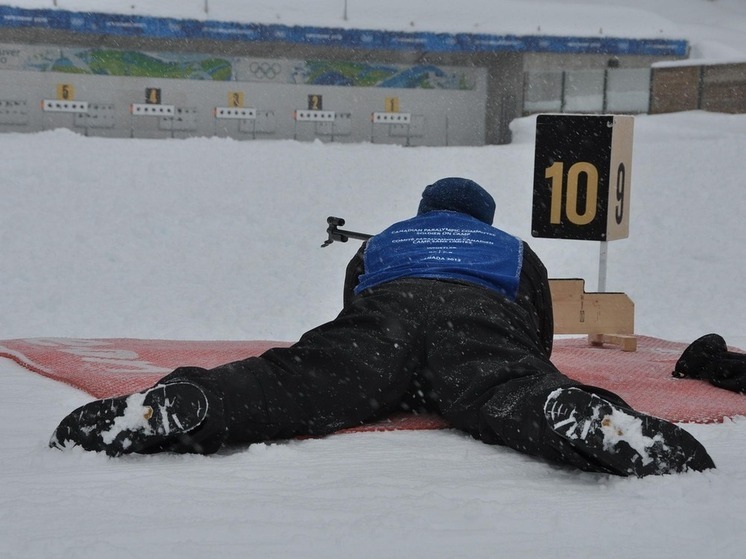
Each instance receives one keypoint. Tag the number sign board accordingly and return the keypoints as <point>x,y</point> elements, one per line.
<point>153,95</point>
<point>582,170</point>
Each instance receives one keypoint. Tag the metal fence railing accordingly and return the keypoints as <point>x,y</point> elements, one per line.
<point>666,87</point>
<point>609,90</point>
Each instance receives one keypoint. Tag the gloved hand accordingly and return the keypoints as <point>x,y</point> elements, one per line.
<point>708,358</point>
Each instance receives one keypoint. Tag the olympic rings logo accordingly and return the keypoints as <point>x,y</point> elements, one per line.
<point>265,70</point>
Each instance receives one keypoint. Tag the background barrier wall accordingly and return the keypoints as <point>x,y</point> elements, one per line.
<point>368,39</point>
<point>252,81</point>
<point>241,110</point>
<point>713,87</point>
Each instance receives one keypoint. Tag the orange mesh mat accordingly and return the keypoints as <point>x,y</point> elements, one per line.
<point>110,367</point>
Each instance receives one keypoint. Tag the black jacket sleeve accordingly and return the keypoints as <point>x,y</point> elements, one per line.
<point>535,296</point>
<point>355,268</point>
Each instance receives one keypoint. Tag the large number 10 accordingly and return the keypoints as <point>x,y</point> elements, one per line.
<point>556,173</point>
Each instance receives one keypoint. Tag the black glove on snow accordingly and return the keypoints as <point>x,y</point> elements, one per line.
<point>708,358</point>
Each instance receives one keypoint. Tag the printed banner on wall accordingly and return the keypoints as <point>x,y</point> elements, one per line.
<point>113,62</point>
<point>369,39</point>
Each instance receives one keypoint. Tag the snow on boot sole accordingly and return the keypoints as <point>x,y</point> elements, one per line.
<point>134,423</point>
<point>624,441</point>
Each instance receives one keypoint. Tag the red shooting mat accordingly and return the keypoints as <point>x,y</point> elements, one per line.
<point>112,367</point>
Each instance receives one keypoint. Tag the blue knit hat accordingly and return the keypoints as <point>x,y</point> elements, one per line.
<point>458,195</point>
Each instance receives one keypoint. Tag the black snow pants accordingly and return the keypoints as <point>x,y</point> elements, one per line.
<point>461,351</point>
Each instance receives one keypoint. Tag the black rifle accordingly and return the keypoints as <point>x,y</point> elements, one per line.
<point>337,234</point>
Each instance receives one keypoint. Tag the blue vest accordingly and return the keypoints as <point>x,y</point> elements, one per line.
<point>448,246</point>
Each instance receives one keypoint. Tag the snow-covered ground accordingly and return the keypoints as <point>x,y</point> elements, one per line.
<point>219,239</point>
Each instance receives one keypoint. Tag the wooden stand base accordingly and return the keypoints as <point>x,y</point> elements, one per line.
<point>607,318</point>
<point>627,343</point>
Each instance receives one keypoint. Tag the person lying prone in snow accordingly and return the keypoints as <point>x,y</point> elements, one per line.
<point>442,313</point>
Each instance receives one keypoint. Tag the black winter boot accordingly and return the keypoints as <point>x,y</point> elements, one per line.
<point>164,417</point>
<point>621,440</point>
